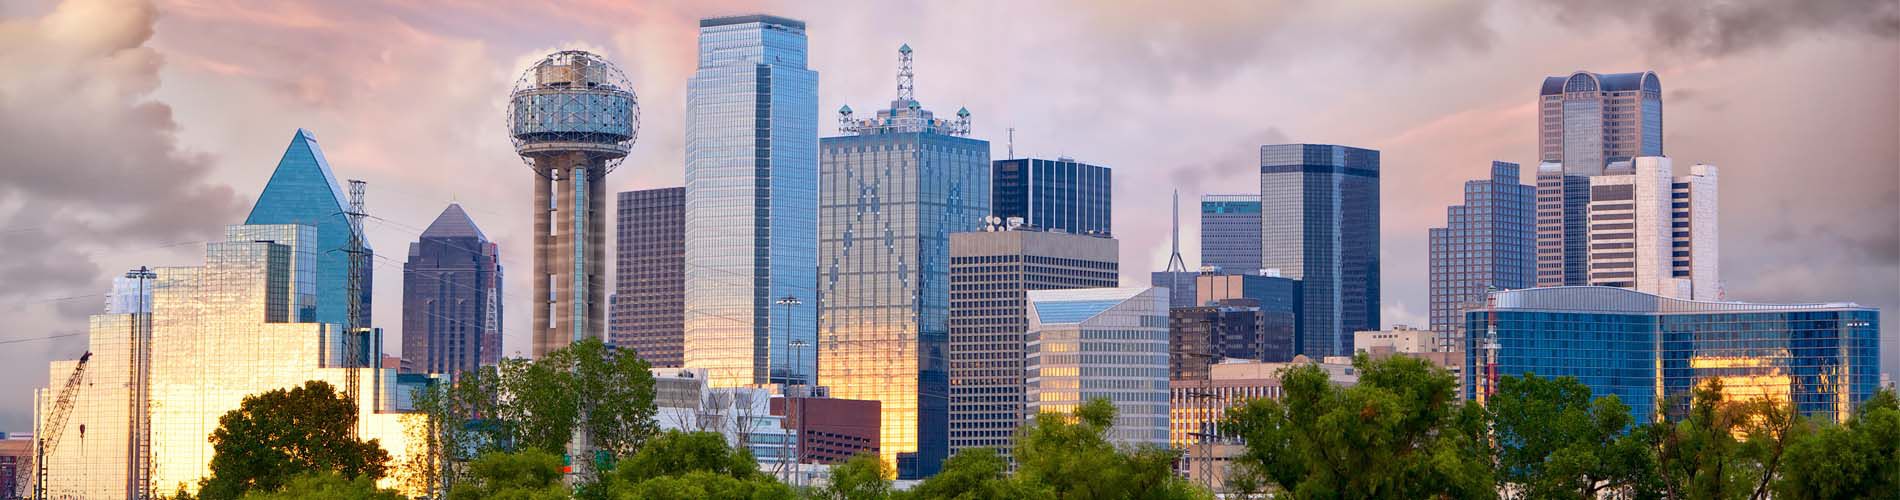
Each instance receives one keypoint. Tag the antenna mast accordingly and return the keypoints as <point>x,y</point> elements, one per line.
<point>1175,266</point>
<point>1012,143</point>
<point>359,256</point>
<point>904,84</point>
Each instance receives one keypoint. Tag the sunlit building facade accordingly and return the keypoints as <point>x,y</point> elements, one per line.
<point>1646,349</point>
<point>302,190</point>
<point>648,310</point>
<point>1585,121</point>
<point>1112,343</point>
<point>751,201</point>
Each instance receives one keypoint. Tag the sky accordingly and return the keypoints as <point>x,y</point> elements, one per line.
<point>132,131</point>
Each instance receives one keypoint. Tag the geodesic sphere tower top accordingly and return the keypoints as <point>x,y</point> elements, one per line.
<point>573,102</point>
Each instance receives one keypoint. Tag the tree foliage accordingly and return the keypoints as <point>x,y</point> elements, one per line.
<point>978,474</point>
<point>863,477</point>
<point>522,475</point>
<point>1555,441</point>
<point>1401,432</point>
<point>327,486</point>
<point>1853,460</point>
<point>1071,456</point>
<point>278,435</point>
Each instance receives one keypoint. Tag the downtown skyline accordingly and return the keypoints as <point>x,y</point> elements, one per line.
<point>447,147</point>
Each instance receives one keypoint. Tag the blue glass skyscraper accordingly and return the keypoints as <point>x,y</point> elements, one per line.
<point>1230,232</point>
<point>303,191</point>
<point>1487,243</point>
<point>1319,223</point>
<point>1059,195</point>
<point>895,188</point>
<point>751,202</point>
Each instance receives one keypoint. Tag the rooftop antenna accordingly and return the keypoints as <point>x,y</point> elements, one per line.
<point>904,84</point>
<point>1175,266</point>
<point>1012,143</point>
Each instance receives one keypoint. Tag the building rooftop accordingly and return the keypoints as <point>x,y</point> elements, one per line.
<point>1624,300</point>
<point>751,18</point>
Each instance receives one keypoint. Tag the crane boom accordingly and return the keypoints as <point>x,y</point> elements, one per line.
<point>55,424</point>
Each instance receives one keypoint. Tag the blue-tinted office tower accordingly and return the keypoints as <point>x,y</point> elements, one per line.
<point>303,191</point>
<point>1056,195</point>
<point>451,298</point>
<point>895,188</point>
<point>1230,232</point>
<point>751,202</point>
<point>1319,223</point>
<point>1586,121</point>
<point>1822,358</point>
<point>1487,243</point>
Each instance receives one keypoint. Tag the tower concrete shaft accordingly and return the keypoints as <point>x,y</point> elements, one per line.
<point>570,270</point>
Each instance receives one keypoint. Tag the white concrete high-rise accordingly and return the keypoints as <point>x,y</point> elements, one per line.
<point>1655,232</point>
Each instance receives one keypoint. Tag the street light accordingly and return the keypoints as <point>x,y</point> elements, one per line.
<point>788,301</point>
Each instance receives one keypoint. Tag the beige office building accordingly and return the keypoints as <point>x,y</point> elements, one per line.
<point>1655,232</point>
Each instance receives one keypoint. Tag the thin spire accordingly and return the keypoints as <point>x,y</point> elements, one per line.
<point>1175,264</point>
<point>905,86</point>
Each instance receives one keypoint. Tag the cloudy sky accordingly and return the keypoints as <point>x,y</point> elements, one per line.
<point>132,131</point>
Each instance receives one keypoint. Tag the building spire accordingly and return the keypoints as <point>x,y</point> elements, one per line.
<point>1175,264</point>
<point>904,84</point>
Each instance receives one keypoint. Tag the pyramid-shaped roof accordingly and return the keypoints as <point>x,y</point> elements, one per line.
<point>453,223</point>
<point>302,179</point>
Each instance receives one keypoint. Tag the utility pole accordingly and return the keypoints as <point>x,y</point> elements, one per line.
<point>788,301</point>
<point>352,338</point>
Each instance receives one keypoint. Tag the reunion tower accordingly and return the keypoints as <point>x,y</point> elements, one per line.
<point>572,116</point>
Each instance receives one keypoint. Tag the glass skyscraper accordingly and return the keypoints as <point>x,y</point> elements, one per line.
<point>1230,232</point>
<point>1487,243</point>
<point>649,301</point>
<point>1585,122</point>
<point>1057,195</point>
<point>1644,348</point>
<point>1109,343</point>
<point>451,298</point>
<point>1319,223</point>
<point>303,191</point>
<point>895,188</point>
<point>751,201</point>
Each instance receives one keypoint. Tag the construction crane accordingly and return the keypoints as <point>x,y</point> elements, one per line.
<point>54,424</point>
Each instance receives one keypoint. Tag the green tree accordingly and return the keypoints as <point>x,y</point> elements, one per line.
<point>678,464</point>
<point>699,484</point>
<point>863,477</point>
<point>1400,432</point>
<point>1071,456</point>
<point>977,474</point>
<point>1698,453</point>
<point>522,475</point>
<point>274,436</point>
<point>1555,441</point>
<point>1860,459</point>
<point>326,486</point>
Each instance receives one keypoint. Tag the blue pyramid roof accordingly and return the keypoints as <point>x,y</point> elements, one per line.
<point>303,191</point>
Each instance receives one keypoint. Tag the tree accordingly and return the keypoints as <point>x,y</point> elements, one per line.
<point>978,474</point>
<point>326,486</point>
<point>699,484</point>
<point>676,453</point>
<point>1071,456</point>
<point>1858,459</point>
<point>863,477</point>
<point>1555,441</point>
<point>523,475</point>
<point>1401,432</point>
<point>277,435</point>
<point>1698,454</point>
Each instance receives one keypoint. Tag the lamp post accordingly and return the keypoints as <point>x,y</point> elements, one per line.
<point>788,301</point>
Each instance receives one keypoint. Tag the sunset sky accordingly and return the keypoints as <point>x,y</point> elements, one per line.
<point>131,132</point>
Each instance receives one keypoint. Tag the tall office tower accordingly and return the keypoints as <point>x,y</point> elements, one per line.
<point>1277,302</point>
<point>1487,243</point>
<point>303,191</point>
<point>1823,359</point>
<point>751,202</point>
<point>991,273</point>
<point>1585,122</point>
<point>1319,223</point>
<point>1125,333</point>
<point>573,117</point>
<point>451,298</point>
<point>1230,233</point>
<point>1654,232</point>
<point>1202,336</point>
<point>895,188</point>
<point>649,301</point>
<point>219,332</point>
<point>1058,195</point>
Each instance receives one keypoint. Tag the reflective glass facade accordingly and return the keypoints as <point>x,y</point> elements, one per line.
<point>1487,242</point>
<point>1102,343</point>
<point>1319,223</point>
<point>1058,195</point>
<point>1230,232</point>
<point>1585,122</point>
<point>1824,358</point>
<point>303,191</point>
<point>751,201</point>
<point>649,300</point>
<point>892,196</point>
<point>451,298</point>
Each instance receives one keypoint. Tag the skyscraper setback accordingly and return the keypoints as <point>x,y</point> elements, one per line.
<point>1585,122</point>
<point>1058,195</point>
<point>451,298</point>
<point>1487,243</point>
<point>895,188</point>
<point>648,310</point>
<point>1319,223</point>
<point>751,202</point>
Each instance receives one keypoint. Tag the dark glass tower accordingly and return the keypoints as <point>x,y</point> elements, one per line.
<point>647,311</point>
<point>1585,122</point>
<point>451,298</point>
<point>1319,223</point>
<point>303,191</point>
<point>1230,232</point>
<point>1487,242</point>
<point>1058,195</point>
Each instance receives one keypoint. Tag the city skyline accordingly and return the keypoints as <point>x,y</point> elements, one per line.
<point>1807,247</point>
